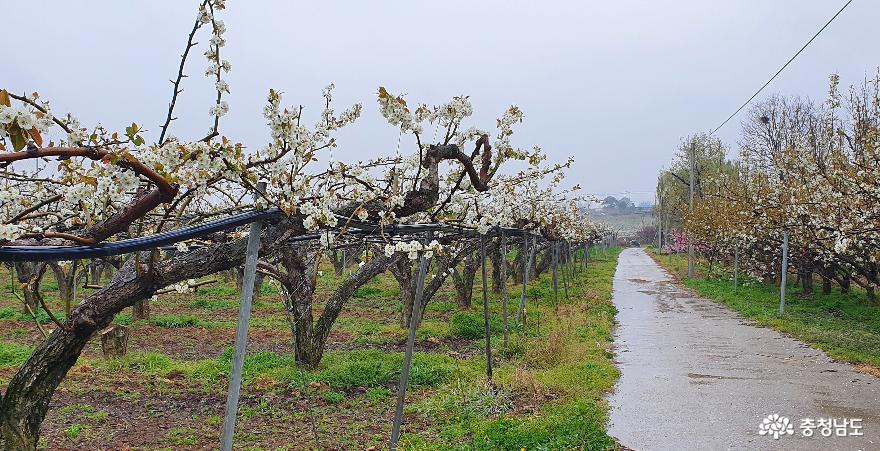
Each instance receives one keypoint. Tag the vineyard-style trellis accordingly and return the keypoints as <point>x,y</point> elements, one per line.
<point>73,193</point>
<point>357,229</point>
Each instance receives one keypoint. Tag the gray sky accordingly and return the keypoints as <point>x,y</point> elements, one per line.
<point>615,84</point>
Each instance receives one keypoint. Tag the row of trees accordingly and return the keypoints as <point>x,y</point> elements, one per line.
<point>811,170</point>
<point>69,184</point>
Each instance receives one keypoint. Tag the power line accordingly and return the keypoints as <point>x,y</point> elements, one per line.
<point>782,68</point>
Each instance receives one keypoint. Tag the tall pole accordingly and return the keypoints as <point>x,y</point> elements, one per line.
<point>736,268</point>
<point>691,209</point>
<point>659,210</point>
<point>241,330</point>
<point>410,344</point>
<point>486,324</point>
<point>527,262</point>
<point>504,297</point>
<point>784,272</point>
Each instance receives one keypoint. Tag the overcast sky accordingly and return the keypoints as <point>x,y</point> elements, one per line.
<point>614,84</point>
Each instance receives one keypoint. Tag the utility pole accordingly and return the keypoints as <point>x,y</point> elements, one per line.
<point>658,210</point>
<point>736,268</point>
<point>693,165</point>
<point>782,277</point>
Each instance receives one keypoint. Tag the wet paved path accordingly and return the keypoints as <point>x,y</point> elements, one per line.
<point>695,375</point>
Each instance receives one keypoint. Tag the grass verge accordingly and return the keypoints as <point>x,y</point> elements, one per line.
<point>845,326</point>
<point>548,391</point>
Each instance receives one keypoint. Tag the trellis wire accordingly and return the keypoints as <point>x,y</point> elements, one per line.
<point>357,228</point>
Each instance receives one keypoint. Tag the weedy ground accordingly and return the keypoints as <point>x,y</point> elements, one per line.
<point>844,325</point>
<point>169,392</point>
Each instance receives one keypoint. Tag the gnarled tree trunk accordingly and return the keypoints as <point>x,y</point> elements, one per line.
<point>23,406</point>
<point>298,287</point>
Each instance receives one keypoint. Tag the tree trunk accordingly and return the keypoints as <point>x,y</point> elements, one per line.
<point>805,271</point>
<point>464,280</point>
<point>94,272</point>
<point>541,264</point>
<point>525,250</point>
<point>300,263</point>
<point>114,340</point>
<point>403,273</point>
<point>827,277</point>
<point>66,283</point>
<point>258,282</point>
<point>140,310</point>
<point>301,268</point>
<point>872,282</point>
<point>494,252</point>
<point>27,275</point>
<point>337,261</point>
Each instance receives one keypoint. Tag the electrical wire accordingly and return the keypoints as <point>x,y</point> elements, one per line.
<point>782,68</point>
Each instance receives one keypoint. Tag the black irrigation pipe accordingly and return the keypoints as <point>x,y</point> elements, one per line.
<point>46,253</point>
<point>159,240</point>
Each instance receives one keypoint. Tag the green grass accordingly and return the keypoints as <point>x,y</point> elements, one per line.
<point>563,362</point>
<point>567,356</point>
<point>74,431</point>
<point>172,321</point>
<point>182,436</point>
<point>845,326</point>
<point>472,325</point>
<point>13,355</point>
<point>339,369</point>
<point>9,313</point>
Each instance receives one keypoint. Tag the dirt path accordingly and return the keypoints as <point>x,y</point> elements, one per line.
<point>696,375</point>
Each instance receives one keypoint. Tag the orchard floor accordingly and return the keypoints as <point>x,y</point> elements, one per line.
<point>695,375</point>
<point>169,391</point>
